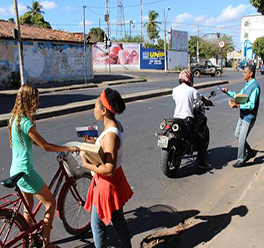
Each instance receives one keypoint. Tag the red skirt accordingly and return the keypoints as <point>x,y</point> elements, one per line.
<point>109,194</point>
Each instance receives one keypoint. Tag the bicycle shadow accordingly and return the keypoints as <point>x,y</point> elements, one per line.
<point>218,157</point>
<point>204,231</point>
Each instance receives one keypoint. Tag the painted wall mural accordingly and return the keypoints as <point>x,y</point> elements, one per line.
<point>122,55</point>
<point>45,62</point>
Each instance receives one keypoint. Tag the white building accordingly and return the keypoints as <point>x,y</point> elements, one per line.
<point>252,27</point>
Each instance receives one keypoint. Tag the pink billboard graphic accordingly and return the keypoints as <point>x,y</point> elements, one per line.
<point>124,54</point>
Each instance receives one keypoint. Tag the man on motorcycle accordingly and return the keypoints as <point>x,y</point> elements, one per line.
<point>184,96</point>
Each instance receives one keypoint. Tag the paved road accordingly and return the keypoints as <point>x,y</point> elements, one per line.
<point>156,81</point>
<point>158,202</point>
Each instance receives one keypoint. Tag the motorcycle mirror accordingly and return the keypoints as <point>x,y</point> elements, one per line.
<point>213,93</point>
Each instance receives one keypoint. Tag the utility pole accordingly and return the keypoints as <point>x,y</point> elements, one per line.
<point>84,47</point>
<point>197,45</point>
<point>108,34</point>
<point>99,23</point>
<point>165,41</point>
<point>141,19</point>
<point>19,45</point>
<point>165,56</point>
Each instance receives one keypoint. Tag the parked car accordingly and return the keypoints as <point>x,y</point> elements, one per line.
<point>206,68</point>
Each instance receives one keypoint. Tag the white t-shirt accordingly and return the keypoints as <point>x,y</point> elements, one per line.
<point>184,97</point>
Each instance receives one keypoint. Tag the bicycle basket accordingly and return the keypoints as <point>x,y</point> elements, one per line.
<point>73,162</point>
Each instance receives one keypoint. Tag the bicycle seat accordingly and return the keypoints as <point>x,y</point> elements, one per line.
<point>12,181</point>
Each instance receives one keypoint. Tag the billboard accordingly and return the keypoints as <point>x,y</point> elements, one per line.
<point>151,58</point>
<point>121,55</point>
<point>179,40</point>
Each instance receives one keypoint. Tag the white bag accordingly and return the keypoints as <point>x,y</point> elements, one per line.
<point>73,164</point>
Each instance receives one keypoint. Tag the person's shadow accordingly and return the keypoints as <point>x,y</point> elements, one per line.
<point>218,157</point>
<point>140,220</point>
<point>204,231</point>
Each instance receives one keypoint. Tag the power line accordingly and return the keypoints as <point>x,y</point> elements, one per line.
<point>128,6</point>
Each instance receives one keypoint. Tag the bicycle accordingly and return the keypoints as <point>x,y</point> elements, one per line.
<point>14,229</point>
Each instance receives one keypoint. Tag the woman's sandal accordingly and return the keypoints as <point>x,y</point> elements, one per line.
<point>47,246</point>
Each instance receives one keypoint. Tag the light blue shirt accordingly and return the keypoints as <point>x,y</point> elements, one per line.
<point>252,98</point>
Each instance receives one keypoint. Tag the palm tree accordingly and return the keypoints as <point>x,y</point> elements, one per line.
<point>34,16</point>
<point>152,26</point>
<point>35,9</point>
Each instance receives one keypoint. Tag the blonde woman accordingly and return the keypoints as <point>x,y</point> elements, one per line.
<point>22,134</point>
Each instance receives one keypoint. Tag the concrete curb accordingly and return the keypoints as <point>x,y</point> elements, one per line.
<point>85,105</point>
<point>11,93</point>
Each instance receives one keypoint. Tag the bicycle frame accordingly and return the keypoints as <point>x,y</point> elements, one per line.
<point>16,203</point>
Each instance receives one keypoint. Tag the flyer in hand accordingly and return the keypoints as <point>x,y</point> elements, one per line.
<point>93,153</point>
<point>91,131</point>
<point>241,98</point>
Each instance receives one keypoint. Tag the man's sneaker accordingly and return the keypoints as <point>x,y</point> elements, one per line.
<point>204,165</point>
<point>239,164</point>
<point>250,155</point>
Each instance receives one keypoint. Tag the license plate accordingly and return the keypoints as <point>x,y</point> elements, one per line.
<point>163,141</point>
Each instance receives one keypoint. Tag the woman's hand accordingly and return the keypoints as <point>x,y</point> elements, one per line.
<point>74,149</point>
<point>88,139</point>
<point>224,90</point>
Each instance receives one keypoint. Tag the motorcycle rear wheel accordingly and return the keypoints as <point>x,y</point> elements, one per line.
<point>168,169</point>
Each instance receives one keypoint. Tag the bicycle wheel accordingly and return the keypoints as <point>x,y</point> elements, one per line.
<point>9,231</point>
<point>75,218</point>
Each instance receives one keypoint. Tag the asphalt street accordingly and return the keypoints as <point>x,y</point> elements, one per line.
<point>155,81</point>
<point>158,202</point>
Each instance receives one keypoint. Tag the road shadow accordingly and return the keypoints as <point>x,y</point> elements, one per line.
<point>208,228</point>
<point>256,161</point>
<point>46,101</point>
<point>204,231</point>
<point>140,220</point>
<point>218,157</point>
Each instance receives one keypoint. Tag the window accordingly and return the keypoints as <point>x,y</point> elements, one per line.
<point>246,23</point>
<point>246,35</point>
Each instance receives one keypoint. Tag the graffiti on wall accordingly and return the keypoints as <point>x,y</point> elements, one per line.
<point>45,61</point>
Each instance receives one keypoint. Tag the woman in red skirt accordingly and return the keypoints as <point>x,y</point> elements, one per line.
<point>106,199</point>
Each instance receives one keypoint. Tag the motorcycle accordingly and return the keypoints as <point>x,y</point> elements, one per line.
<point>179,139</point>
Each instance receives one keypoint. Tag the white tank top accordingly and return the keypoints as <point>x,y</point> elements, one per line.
<point>121,136</point>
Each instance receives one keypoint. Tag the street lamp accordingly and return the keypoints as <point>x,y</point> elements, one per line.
<point>131,24</point>
<point>165,47</point>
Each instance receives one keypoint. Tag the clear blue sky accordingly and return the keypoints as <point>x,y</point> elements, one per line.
<point>212,15</point>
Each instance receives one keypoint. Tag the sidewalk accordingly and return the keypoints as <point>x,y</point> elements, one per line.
<point>89,104</point>
<point>245,231</point>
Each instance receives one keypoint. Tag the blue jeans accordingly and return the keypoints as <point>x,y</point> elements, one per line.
<point>99,228</point>
<point>242,131</point>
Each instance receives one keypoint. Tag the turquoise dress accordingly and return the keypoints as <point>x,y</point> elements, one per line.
<point>22,160</point>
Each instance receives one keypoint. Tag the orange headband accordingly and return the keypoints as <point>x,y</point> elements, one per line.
<point>106,103</point>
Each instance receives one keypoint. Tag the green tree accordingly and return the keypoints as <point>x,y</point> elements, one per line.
<point>96,34</point>
<point>153,26</point>
<point>210,48</point>
<point>127,38</point>
<point>258,47</point>
<point>34,16</point>
<point>259,5</point>
<point>12,20</point>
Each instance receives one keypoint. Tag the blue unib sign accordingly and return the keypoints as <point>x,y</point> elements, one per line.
<point>151,58</point>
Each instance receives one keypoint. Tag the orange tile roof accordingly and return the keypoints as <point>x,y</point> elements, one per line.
<point>36,33</point>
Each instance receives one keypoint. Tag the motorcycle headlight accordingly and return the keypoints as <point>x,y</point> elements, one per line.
<point>175,127</point>
<point>162,125</point>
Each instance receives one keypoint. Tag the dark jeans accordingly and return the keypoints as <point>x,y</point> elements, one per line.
<point>99,229</point>
<point>198,132</point>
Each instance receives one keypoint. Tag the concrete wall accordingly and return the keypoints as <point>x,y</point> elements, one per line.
<point>44,62</point>
<point>177,59</point>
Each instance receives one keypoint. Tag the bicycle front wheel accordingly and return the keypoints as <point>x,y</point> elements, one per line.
<point>75,218</point>
<point>10,228</point>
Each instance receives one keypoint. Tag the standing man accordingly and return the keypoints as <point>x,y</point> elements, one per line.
<point>248,114</point>
<point>184,96</point>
